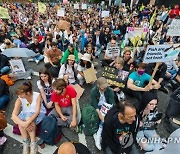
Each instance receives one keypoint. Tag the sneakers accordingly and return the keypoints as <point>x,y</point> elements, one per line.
<point>97,139</point>
<point>29,78</point>
<point>30,59</point>
<point>26,146</point>
<point>2,140</point>
<point>37,61</point>
<point>33,148</point>
<point>164,89</point>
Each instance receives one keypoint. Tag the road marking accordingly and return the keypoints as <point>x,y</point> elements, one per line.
<point>82,138</point>
<point>47,150</point>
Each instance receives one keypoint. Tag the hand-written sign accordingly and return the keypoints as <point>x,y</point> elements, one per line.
<point>112,77</point>
<point>161,53</point>
<point>90,75</point>
<point>174,29</point>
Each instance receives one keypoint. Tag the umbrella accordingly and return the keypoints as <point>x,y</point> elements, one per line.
<point>18,52</point>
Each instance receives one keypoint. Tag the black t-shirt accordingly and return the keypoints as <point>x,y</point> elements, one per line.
<point>37,48</point>
<point>81,149</point>
<point>4,90</point>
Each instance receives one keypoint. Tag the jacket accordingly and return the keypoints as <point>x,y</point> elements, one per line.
<point>95,96</point>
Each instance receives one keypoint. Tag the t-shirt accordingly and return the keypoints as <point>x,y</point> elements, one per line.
<point>47,88</point>
<point>139,80</point>
<point>64,100</point>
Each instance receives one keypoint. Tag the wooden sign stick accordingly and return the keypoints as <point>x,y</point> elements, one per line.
<point>154,73</point>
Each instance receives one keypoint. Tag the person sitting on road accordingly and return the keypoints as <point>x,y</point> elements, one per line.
<point>70,51</point>
<point>137,84</point>
<point>85,63</point>
<point>111,53</point>
<point>4,64</point>
<point>102,96</point>
<point>37,47</point>
<point>44,85</point>
<point>28,112</point>
<point>68,71</point>
<point>64,98</point>
<point>120,128</point>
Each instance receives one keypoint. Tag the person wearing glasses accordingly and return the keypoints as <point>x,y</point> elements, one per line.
<point>102,99</point>
<point>120,128</point>
<point>64,98</point>
<point>111,53</point>
<point>149,120</point>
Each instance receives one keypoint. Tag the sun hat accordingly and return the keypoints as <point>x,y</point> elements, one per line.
<point>102,82</point>
<point>71,57</point>
<point>86,57</point>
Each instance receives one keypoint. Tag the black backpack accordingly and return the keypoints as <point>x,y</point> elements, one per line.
<point>50,132</point>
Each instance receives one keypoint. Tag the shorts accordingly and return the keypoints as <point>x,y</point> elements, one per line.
<point>24,116</point>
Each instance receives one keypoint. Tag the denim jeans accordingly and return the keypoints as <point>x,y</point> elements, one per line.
<point>4,99</point>
<point>38,57</point>
<point>5,69</point>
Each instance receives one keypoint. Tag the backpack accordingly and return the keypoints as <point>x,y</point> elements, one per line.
<point>50,132</point>
<point>90,120</point>
<point>9,81</point>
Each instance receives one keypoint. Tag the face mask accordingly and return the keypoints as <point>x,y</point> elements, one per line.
<point>140,72</point>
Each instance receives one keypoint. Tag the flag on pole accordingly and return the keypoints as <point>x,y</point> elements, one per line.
<point>41,7</point>
<point>152,20</point>
<point>4,13</point>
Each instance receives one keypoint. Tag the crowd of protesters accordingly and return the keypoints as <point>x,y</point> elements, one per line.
<point>67,53</point>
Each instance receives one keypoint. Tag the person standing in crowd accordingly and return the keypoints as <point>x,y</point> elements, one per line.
<point>64,98</point>
<point>44,85</point>
<point>28,112</point>
<point>101,96</point>
<point>4,94</point>
<point>120,128</point>
<point>37,48</point>
<point>68,71</point>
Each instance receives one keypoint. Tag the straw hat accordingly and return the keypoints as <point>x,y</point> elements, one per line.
<point>71,57</point>
<point>86,57</point>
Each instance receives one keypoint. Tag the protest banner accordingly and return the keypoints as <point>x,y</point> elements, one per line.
<point>112,52</point>
<point>174,29</point>
<point>90,75</point>
<point>41,7</point>
<point>161,53</point>
<point>84,6</point>
<point>79,90</point>
<point>76,6</point>
<point>136,31</point>
<point>4,13</point>
<point>22,18</point>
<point>17,66</point>
<point>115,77</point>
<point>105,14</point>
<point>61,13</point>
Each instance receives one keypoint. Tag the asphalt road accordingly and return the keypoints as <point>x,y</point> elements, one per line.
<point>12,146</point>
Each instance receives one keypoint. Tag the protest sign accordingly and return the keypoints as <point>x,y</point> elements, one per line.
<point>90,75</point>
<point>4,13</point>
<point>123,4</point>
<point>174,29</point>
<point>17,66</point>
<point>161,53</point>
<point>65,2</point>
<point>79,90</point>
<point>135,31</point>
<point>22,18</point>
<point>114,77</point>
<point>116,32</point>
<point>105,14</point>
<point>105,108</point>
<point>61,13</point>
<point>76,6</point>
<point>112,52</point>
<point>84,6</point>
<point>152,2</point>
<point>41,7</point>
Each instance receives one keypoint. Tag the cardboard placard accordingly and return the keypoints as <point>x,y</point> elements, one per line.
<point>61,13</point>
<point>79,90</point>
<point>105,14</point>
<point>161,53</point>
<point>174,29</point>
<point>90,75</point>
<point>17,66</point>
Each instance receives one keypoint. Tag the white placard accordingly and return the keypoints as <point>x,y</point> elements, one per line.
<point>112,52</point>
<point>61,13</point>
<point>161,53</point>
<point>136,31</point>
<point>17,66</point>
<point>84,6</point>
<point>22,18</point>
<point>105,108</point>
<point>76,6</point>
<point>105,14</point>
<point>174,29</point>
<point>123,4</point>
